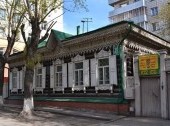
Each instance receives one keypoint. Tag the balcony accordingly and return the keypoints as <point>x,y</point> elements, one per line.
<point>113,2</point>
<point>137,19</point>
<point>127,8</point>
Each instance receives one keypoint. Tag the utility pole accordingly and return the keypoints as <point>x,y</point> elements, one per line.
<point>87,20</point>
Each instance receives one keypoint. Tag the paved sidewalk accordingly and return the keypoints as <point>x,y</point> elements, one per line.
<point>74,112</point>
<point>109,119</point>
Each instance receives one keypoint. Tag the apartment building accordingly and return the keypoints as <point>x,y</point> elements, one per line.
<point>142,12</point>
<point>56,15</point>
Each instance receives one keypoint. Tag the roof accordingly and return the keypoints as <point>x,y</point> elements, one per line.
<point>61,35</point>
<point>130,29</point>
<point>58,35</point>
<point>42,44</point>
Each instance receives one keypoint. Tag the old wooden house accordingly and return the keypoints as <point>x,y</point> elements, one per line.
<point>93,70</point>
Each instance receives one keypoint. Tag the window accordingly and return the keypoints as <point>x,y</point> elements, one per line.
<point>32,7</point>
<point>155,26</point>
<point>2,32</point>
<point>154,11</point>
<point>141,24</point>
<point>14,79</point>
<point>103,69</point>
<point>39,77</point>
<point>44,25</point>
<point>16,18</point>
<point>2,14</point>
<point>58,76</point>
<point>78,73</point>
<point>1,51</point>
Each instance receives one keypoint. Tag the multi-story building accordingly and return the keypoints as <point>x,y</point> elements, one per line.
<point>55,15</point>
<point>141,12</point>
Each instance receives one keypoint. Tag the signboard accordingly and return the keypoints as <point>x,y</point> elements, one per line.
<point>149,65</point>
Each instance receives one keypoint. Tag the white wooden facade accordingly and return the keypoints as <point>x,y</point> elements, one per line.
<point>68,74</point>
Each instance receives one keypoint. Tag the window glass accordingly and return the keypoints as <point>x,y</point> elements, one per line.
<point>154,11</point>
<point>14,79</point>
<point>58,76</point>
<point>39,77</point>
<point>103,69</point>
<point>78,73</point>
<point>2,14</point>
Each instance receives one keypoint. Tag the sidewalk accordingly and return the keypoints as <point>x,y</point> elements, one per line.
<point>110,119</point>
<point>73,112</point>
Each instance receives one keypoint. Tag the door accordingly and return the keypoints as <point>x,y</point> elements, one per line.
<point>150,97</point>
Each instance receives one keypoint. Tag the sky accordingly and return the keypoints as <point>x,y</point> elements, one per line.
<point>98,10</point>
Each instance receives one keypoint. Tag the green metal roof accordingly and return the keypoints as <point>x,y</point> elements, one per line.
<point>61,35</point>
<point>58,35</point>
<point>42,44</point>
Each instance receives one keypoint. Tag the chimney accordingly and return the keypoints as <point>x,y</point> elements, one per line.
<point>78,30</point>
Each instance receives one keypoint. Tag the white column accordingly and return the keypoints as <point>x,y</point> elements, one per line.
<point>137,86</point>
<point>163,85</point>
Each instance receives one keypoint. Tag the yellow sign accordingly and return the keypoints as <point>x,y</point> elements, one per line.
<point>149,64</point>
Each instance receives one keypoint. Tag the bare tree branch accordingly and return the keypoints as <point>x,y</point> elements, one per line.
<point>47,32</point>
<point>51,10</point>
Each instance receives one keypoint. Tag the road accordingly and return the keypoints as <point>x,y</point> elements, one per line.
<point>9,117</point>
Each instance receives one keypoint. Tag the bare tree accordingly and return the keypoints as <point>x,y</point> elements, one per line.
<point>34,12</point>
<point>37,11</point>
<point>13,17</point>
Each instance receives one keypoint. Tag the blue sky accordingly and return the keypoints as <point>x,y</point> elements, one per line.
<point>97,10</point>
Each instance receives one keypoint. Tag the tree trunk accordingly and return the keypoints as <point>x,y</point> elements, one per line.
<point>2,66</point>
<point>28,106</point>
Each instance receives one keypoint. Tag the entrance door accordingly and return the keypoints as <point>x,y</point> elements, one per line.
<point>150,97</point>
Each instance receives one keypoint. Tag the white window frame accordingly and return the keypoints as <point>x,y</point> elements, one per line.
<point>58,74</point>
<point>38,83</point>
<point>80,82</point>
<point>104,74</point>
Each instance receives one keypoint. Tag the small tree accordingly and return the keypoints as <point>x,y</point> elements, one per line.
<point>11,9</point>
